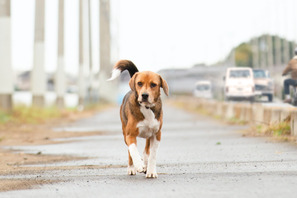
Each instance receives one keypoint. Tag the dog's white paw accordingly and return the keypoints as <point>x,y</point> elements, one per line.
<point>145,161</point>
<point>151,175</point>
<point>131,170</point>
<point>151,172</point>
<point>140,168</point>
<point>144,168</point>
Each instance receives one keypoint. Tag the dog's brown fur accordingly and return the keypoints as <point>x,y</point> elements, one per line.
<point>141,84</point>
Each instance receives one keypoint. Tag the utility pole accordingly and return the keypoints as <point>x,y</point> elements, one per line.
<point>6,73</point>
<point>286,51</point>
<point>277,40</point>
<point>81,84</point>
<point>233,57</point>
<point>255,49</point>
<point>107,90</point>
<point>60,74</point>
<point>269,51</point>
<point>269,42</point>
<point>38,80</point>
<point>263,49</point>
<point>294,4</point>
<point>286,45</point>
<point>91,77</point>
<point>278,52</point>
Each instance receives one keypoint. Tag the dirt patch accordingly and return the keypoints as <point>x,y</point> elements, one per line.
<point>12,162</point>
<point>36,135</point>
<point>15,163</point>
<point>18,163</point>
<point>21,184</point>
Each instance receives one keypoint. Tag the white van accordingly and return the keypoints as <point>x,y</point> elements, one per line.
<point>239,84</point>
<point>203,89</point>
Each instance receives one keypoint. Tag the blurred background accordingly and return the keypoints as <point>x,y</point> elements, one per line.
<point>60,52</point>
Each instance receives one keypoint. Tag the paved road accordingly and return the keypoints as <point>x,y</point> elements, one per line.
<point>198,157</point>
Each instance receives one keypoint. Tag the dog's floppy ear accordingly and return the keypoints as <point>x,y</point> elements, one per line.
<point>132,82</point>
<point>164,85</point>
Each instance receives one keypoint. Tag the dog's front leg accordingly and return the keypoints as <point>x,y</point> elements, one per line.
<point>151,168</point>
<point>133,151</point>
<point>146,153</point>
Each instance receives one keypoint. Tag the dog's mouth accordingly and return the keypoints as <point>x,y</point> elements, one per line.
<point>144,100</point>
<point>146,104</point>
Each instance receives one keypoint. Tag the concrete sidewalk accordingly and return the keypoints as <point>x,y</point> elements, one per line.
<point>198,157</point>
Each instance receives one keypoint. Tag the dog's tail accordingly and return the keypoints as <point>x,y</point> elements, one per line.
<point>121,66</point>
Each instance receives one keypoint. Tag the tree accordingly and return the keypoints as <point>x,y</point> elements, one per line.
<point>243,55</point>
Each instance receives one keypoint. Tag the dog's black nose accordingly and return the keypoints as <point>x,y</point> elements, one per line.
<point>144,96</point>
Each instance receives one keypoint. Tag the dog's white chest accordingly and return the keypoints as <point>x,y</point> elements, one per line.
<point>150,125</point>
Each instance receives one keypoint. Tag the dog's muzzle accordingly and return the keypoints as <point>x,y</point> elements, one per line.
<point>145,97</point>
<point>144,101</point>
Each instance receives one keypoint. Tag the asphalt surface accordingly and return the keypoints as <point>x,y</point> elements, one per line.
<point>198,157</point>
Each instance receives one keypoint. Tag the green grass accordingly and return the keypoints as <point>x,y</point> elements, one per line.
<point>30,115</point>
<point>235,120</point>
<point>4,117</point>
<point>275,130</point>
<point>280,129</point>
<point>34,115</point>
<point>259,129</point>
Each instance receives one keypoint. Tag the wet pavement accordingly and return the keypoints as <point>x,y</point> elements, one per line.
<point>198,157</point>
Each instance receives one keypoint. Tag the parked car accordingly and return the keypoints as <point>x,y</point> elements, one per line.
<point>203,89</point>
<point>239,84</point>
<point>264,85</point>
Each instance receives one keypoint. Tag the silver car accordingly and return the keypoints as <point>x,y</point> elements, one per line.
<point>264,85</point>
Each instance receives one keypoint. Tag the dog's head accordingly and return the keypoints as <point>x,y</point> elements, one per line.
<point>147,87</point>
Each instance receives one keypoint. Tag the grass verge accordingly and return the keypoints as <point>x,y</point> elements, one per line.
<point>37,115</point>
<point>278,132</point>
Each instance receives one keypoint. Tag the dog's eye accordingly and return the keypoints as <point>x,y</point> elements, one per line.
<point>139,84</point>
<point>153,85</point>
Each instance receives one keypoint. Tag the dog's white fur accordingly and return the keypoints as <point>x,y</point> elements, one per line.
<point>149,126</point>
<point>115,73</point>
<point>151,166</point>
<point>138,163</point>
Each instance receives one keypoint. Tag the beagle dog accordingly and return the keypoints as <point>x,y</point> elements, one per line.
<point>141,116</point>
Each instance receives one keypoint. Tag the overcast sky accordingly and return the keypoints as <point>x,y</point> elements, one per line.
<point>155,34</point>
